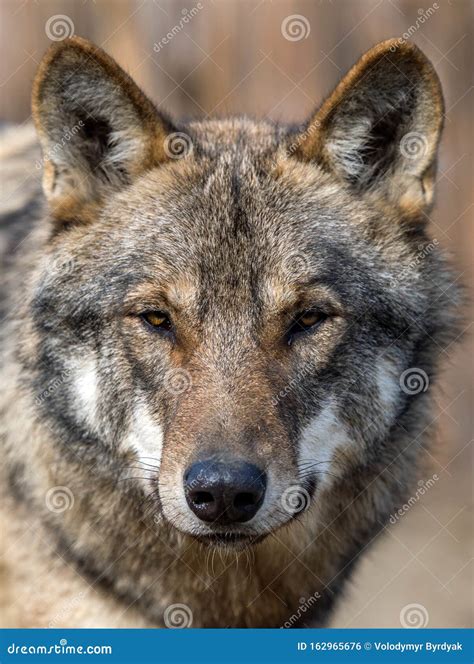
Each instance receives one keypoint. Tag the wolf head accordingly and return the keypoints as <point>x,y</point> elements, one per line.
<point>236,313</point>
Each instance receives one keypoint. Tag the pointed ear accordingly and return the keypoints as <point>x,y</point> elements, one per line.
<point>98,131</point>
<point>380,128</point>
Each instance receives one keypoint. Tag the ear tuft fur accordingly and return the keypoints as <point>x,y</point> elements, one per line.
<point>380,128</point>
<point>97,129</point>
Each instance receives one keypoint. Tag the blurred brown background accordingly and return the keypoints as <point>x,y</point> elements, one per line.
<point>279,58</point>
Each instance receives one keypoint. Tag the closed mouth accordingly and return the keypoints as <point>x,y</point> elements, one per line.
<point>230,540</point>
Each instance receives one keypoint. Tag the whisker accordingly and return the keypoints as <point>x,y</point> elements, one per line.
<point>124,479</point>
<point>317,474</point>
<point>146,466</point>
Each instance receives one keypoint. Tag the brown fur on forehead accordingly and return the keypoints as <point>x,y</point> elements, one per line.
<point>224,219</point>
<point>285,293</point>
<point>231,134</point>
<point>178,294</point>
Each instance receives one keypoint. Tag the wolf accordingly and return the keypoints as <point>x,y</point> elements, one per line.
<point>221,339</point>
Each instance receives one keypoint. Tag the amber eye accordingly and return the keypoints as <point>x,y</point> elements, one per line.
<point>158,320</point>
<point>310,318</point>
<point>305,322</point>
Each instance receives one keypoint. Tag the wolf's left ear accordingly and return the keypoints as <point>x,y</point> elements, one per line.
<point>97,129</point>
<point>380,128</point>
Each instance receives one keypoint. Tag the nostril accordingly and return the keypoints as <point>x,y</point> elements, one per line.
<point>202,497</point>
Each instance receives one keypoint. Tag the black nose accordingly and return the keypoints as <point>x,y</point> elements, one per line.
<point>224,493</point>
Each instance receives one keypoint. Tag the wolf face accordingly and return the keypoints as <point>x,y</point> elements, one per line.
<point>231,304</point>
<point>227,332</point>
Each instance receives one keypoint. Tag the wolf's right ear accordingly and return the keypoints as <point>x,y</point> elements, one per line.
<point>380,128</point>
<point>98,131</point>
